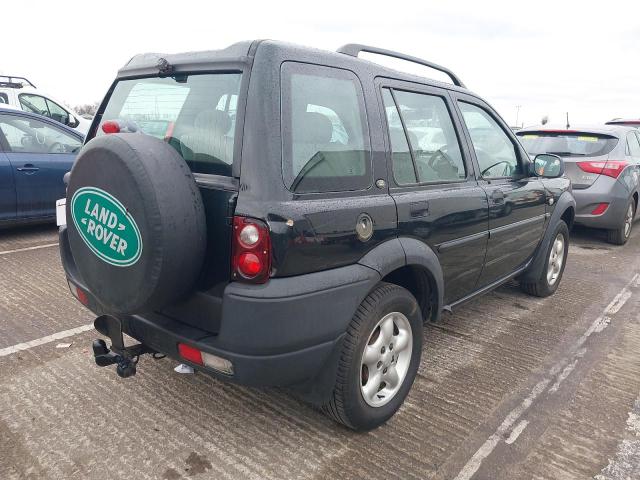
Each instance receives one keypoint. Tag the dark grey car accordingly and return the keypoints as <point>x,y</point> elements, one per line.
<point>603,164</point>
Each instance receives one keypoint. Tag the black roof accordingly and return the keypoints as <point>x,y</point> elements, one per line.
<point>242,53</point>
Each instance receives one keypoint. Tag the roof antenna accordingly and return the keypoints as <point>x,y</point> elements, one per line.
<point>568,126</point>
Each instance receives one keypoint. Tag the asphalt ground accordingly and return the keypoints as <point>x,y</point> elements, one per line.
<point>510,387</point>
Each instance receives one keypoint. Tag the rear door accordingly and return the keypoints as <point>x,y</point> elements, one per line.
<point>517,200</point>
<point>40,154</point>
<point>7,187</point>
<point>433,182</point>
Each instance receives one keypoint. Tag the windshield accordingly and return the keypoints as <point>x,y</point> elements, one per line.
<point>195,114</point>
<point>567,144</point>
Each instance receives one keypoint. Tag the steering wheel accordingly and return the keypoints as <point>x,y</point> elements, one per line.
<point>438,155</point>
<point>494,165</point>
<point>56,147</point>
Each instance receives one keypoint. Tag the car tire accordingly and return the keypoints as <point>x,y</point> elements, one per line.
<point>555,261</point>
<point>388,314</point>
<point>620,235</point>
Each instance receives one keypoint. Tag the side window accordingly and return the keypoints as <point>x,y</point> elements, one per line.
<point>433,152</point>
<point>25,135</point>
<point>324,137</point>
<point>401,160</point>
<point>57,113</point>
<point>34,104</point>
<point>4,98</point>
<point>632,143</point>
<point>495,152</point>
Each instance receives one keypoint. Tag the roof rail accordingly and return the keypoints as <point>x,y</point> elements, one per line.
<point>10,81</point>
<point>354,49</point>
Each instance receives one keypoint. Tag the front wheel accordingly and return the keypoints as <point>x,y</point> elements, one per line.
<point>620,235</point>
<point>556,259</point>
<point>379,360</point>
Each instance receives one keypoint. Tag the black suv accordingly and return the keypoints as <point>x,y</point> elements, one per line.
<point>278,215</point>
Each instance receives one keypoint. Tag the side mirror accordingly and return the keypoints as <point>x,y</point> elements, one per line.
<point>547,165</point>
<point>72,121</point>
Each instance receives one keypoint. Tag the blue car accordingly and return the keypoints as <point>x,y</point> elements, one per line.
<point>35,153</point>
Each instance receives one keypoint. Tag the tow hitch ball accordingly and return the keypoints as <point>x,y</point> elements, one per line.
<point>125,358</point>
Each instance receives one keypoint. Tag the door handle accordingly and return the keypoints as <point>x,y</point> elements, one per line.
<point>497,196</point>
<point>28,168</point>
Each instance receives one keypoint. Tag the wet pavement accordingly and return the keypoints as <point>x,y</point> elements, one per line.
<point>510,387</point>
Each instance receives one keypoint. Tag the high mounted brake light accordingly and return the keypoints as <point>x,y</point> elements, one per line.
<point>251,259</point>
<point>110,126</point>
<point>610,168</point>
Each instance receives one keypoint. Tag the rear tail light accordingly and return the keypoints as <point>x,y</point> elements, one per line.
<point>198,357</point>
<point>78,293</point>
<point>600,209</point>
<point>610,168</point>
<point>251,259</point>
<point>190,353</point>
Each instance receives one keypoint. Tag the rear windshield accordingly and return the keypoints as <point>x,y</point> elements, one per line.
<point>195,114</point>
<point>567,144</point>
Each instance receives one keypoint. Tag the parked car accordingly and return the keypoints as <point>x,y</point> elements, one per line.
<point>22,94</point>
<point>626,122</point>
<point>300,232</point>
<point>35,153</point>
<point>603,165</point>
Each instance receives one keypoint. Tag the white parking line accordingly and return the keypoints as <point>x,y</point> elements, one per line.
<point>26,249</point>
<point>558,372</point>
<point>41,341</point>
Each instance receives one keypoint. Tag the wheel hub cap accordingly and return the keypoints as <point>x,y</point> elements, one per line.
<point>556,260</point>
<point>628,221</point>
<point>385,359</point>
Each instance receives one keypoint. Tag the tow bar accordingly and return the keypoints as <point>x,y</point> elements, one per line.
<point>125,358</point>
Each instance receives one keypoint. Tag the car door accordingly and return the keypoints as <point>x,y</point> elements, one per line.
<point>517,200</point>
<point>40,153</point>
<point>433,182</point>
<point>7,187</point>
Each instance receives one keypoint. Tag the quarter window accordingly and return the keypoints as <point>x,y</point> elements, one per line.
<point>325,141</point>
<point>427,148</point>
<point>634,146</point>
<point>495,152</point>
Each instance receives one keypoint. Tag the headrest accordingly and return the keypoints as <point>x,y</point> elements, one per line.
<point>315,128</point>
<point>215,120</point>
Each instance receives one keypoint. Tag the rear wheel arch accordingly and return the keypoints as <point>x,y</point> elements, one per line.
<point>422,285</point>
<point>410,263</point>
<point>569,215</point>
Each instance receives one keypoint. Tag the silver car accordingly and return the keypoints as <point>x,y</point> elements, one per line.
<point>603,164</point>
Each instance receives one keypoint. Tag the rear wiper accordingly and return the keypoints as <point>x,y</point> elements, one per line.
<point>568,154</point>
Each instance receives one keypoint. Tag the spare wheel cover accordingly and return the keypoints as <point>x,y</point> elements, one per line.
<point>135,222</point>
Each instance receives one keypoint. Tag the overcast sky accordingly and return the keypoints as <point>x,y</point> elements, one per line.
<point>547,57</point>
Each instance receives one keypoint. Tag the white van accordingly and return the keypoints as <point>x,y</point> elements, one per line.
<point>20,93</point>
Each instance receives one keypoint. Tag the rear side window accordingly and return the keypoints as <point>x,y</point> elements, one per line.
<point>4,98</point>
<point>324,138</point>
<point>426,150</point>
<point>28,135</point>
<point>634,146</point>
<point>567,144</point>
<point>195,114</point>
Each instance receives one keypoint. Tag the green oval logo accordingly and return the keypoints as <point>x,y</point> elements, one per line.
<point>106,227</point>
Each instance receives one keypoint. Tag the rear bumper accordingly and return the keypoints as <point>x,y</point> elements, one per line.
<point>604,189</point>
<point>277,334</point>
